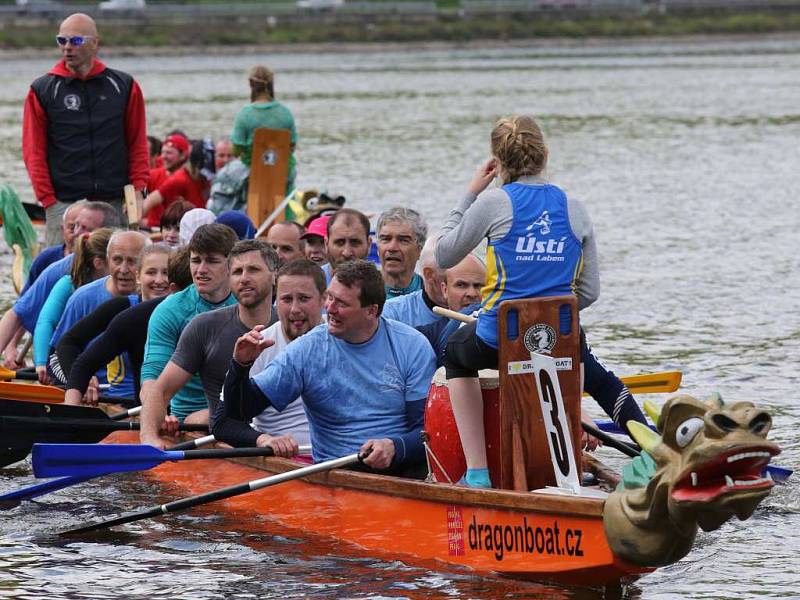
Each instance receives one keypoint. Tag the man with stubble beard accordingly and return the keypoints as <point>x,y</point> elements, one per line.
<point>300,300</point>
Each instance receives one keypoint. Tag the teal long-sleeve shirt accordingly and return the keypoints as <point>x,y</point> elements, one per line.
<point>49,317</point>
<point>163,332</point>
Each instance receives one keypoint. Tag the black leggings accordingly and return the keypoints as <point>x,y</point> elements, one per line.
<point>466,353</point>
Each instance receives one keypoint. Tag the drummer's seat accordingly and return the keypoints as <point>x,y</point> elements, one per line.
<point>548,326</point>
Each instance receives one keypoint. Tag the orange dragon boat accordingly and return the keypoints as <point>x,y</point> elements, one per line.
<point>703,467</point>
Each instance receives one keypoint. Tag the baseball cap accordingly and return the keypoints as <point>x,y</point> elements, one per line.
<point>239,222</point>
<point>192,220</point>
<point>177,141</point>
<point>318,226</point>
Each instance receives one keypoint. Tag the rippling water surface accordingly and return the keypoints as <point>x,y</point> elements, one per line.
<point>686,155</point>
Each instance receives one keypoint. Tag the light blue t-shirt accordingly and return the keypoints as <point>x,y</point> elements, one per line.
<point>352,392</point>
<point>410,309</point>
<point>163,332</point>
<point>30,304</point>
<point>326,268</point>
<point>83,302</point>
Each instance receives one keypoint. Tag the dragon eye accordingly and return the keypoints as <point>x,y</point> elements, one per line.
<point>687,430</point>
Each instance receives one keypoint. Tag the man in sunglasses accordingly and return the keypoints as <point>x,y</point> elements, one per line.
<point>83,133</point>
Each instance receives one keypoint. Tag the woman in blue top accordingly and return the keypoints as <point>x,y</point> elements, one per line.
<point>88,264</point>
<point>539,244</point>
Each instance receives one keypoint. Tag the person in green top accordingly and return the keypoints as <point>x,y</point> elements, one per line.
<point>263,111</point>
<point>208,263</point>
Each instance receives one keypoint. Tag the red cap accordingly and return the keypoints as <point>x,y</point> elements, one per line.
<point>318,226</point>
<point>177,141</point>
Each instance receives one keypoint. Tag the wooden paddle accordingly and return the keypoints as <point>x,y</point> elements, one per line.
<point>48,394</point>
<point>94,460</point>
<point>7,374</point>
<point>269,170</point>
<point>13,498</point>
<point>646,383</point>
<point>131,207</point>
<point>273,215</point>
<point>221,494</point>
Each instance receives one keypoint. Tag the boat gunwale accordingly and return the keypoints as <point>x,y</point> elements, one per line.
<point>441,493</point>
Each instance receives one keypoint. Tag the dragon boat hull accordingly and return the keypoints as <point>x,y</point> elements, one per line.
<point>530,536</point>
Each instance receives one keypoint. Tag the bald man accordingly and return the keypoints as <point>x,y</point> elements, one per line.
<point>83,133</point>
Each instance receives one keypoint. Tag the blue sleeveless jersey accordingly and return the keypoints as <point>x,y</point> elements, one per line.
<point>540,255</point>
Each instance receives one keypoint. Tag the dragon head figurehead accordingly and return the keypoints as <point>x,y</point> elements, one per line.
<point>706,466</point>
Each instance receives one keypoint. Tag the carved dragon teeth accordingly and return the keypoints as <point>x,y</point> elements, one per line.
<point>751,482</point>
<point>744,455</point>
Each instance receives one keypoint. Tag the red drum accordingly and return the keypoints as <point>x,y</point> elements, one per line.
<point>445,455</point>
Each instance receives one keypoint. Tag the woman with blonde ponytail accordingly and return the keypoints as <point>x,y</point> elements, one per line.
<point>539,244</point>
<point>88,264</point>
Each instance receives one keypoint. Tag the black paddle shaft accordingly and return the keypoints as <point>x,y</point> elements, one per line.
<point>18,432</point>
<point>227,453</point>
<point>30,425</point>
<point>609,440</point>
<point>221,494</point>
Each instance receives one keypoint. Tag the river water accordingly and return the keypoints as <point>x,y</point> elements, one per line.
<point>685,153</point>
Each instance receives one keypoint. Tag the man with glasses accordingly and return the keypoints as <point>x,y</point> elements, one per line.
<point>83,133</point>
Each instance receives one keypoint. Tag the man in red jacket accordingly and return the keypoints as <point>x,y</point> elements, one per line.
<point>84,132</point>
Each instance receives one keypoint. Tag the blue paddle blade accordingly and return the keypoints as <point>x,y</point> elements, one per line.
<point>611,427</point>
<point>14,497</point>
<point>93,460</point>
<point>779,474</point>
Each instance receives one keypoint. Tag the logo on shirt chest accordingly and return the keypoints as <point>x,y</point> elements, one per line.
<point>72,102</point>
<point>390,380</point>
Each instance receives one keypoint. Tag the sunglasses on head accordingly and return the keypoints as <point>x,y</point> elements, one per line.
<point>75,40</point>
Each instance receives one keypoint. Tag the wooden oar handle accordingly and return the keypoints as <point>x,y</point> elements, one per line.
<point>451,314</point>
<point>131,207</point>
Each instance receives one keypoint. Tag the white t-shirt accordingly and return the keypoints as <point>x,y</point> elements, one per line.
<point>292,420</point>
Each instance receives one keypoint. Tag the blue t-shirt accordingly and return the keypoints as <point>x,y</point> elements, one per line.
<point>46,258</point>
<point>28,306</point>
<point>410,309</point>
<point>352,392</point>
<point>83,302</point>
<point>163,332</point>
<point>326,268</point>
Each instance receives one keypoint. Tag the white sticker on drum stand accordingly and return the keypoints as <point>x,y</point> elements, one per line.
<point>518,367</point>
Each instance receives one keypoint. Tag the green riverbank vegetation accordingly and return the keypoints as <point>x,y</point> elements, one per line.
<point>445,27</point>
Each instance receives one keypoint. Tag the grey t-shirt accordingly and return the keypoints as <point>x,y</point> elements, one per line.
<point>206,347</point>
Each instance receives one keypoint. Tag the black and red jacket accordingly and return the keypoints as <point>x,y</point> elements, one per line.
<point>84,137</point>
